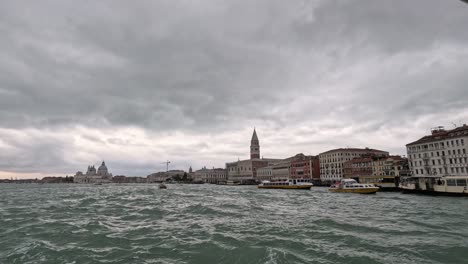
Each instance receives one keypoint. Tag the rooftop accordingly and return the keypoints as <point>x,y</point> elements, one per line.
<point>440,134</point>
<point>352,150</point>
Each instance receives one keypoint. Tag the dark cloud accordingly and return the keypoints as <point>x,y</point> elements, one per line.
<point>190,80</point>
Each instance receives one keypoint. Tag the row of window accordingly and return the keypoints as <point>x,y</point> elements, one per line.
<point>338,165</point>
<point>239,168</point>
<point>456,182</point>
<point>435,171</point>
<point>331,172</point>
<point>341,154</point>
<point>440,162</point>
<point>452,143</point>
<point>329,177</point>
<point>454,152</point>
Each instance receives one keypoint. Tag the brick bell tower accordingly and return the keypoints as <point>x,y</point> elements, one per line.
<point>254,146</point>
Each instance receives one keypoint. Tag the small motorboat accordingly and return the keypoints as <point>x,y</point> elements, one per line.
<point>162,186</point>
<point>352,186</point>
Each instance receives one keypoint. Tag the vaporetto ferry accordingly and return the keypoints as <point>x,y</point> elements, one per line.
<point>445,185</point>
<point>300,184</point>
<point>452,185</point>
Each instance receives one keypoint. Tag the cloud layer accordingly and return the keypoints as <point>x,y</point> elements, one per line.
<point>137,83</point>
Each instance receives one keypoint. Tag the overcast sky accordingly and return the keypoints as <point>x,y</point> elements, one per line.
<point>136,83</point>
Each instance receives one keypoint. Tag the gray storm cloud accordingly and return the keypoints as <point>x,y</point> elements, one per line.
<point>137,83</point>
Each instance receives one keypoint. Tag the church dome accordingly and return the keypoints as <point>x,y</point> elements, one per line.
<point>102,170</point>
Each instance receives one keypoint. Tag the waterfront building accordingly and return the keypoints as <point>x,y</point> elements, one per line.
<point>375,166</point>
<point>390,166</point>
<point>299,166</point>
<point>442,153</point>
<point>332,161</point>
<point>52,179</point>
<point>358,167</point>
<point>102,175</point>
<point>305,167</point>
<point>279,170</point>
<point>265,173</point>
<point>245,171</point>
<point>164,176</point>
<point>125,179</point>
<point>215,175</point>
<point>381,171</point>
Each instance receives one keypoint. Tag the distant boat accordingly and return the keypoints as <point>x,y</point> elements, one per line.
<point>232,183</point>
<point>98,183</point>
<point>162,186</point>
<point>352,186</point>
<point>298,184</point>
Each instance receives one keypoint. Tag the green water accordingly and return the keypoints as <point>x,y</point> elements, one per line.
<point>226,224</point>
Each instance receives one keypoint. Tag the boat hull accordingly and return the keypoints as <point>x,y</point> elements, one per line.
<point>361,191</point>
<point>296,187</point>
<point>433,193</point>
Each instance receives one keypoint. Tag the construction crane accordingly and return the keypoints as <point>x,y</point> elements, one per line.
<point>167,165</point>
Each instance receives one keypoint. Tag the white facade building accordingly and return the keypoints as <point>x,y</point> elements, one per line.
<point>332,161</point>
<point>443,153</point>
<point>215,175</point>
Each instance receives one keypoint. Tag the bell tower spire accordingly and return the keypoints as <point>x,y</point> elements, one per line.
<point>254,146</point>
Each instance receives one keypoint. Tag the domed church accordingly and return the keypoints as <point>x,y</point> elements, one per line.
<point>102,170</point>
<point>102,175</point>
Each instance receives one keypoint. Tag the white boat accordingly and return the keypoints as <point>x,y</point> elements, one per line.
<point>352,186</point>
<point>452,185</point>
<point>232,183</point>
<point>286,184</point>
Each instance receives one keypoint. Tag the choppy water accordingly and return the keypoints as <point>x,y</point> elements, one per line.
<point>226,224</point>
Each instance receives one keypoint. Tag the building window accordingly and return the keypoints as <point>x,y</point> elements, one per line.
<point>438,154</point>
<point>449,152</point>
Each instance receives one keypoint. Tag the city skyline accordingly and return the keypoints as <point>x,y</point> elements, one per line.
<point>136,84</point>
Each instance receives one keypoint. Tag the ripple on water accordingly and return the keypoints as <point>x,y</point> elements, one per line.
<point>223,224</point>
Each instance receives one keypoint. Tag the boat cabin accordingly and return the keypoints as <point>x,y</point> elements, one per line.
<point>452,184</point>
